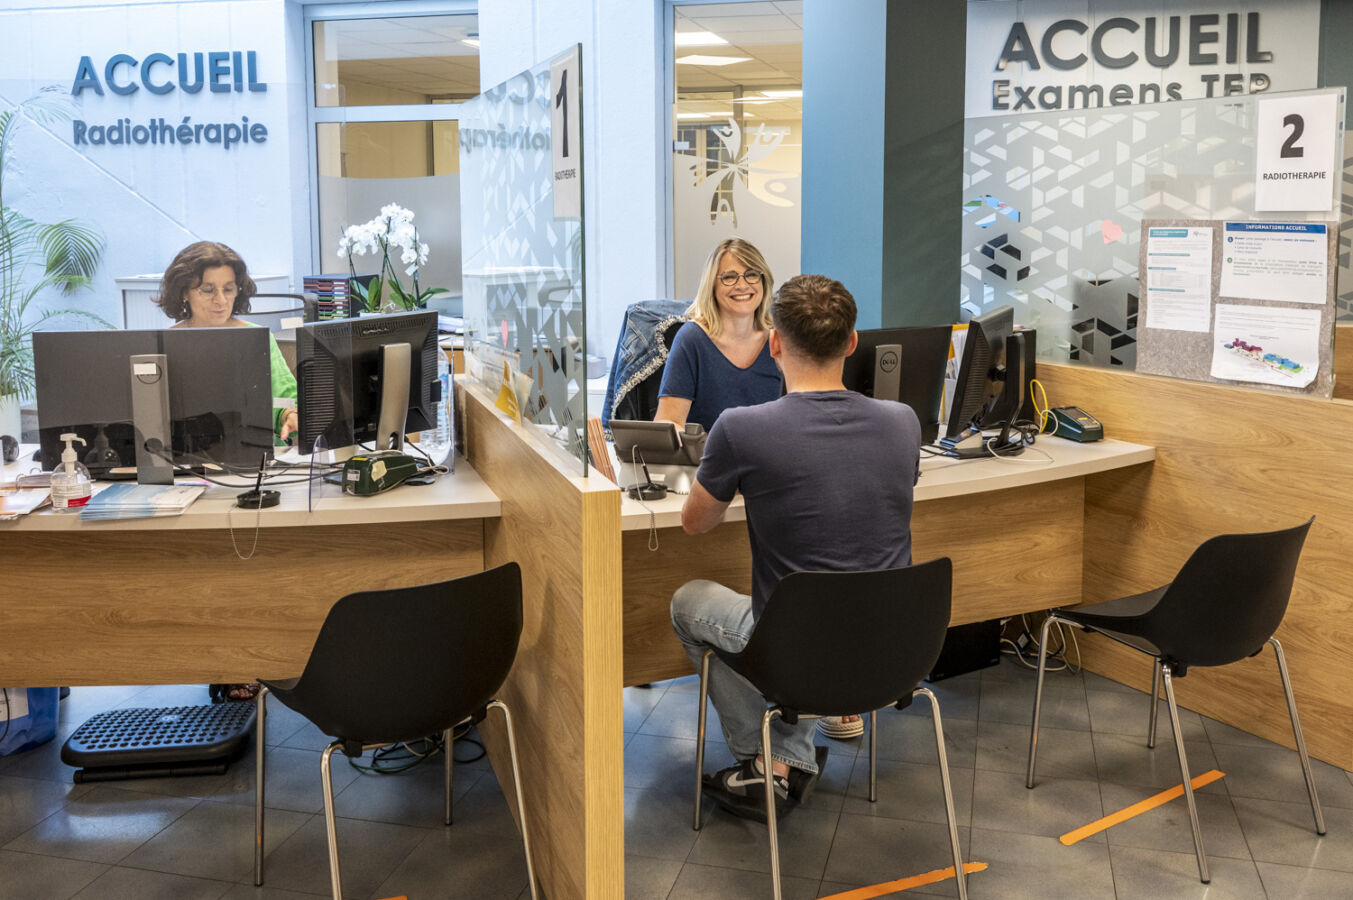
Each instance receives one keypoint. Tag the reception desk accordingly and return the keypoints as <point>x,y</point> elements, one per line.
<point>169,600</point>
<point>596,601</point>
<point>1012,526</point>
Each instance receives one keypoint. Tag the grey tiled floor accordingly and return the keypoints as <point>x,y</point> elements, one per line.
<point>189,838</point>
<point>1256,821</point>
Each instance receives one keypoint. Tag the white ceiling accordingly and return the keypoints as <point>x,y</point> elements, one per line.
<point>769,35</point>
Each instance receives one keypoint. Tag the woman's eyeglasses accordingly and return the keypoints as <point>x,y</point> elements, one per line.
<point>728,279</point>
<point>210,291</point>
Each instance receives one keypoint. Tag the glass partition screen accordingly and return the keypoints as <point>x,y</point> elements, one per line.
<point>522,249</point>
<point>1053,205</point>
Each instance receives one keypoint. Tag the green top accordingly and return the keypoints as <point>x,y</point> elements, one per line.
<point>283,382</point>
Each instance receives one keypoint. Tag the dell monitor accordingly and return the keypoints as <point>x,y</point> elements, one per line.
<point>153,400</point>
<point>903,364</point>
<point>367,380</point>
<point>989,391</point>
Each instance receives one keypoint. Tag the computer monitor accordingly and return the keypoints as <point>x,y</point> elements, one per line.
<point>903,364</point>
<point>367,380</point>
<point>106,386</point>
<point>990,387</point>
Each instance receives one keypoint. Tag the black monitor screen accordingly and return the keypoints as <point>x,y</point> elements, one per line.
<point>219,385</point>
<point>338,366</point>
<point>914,375</point>
<point>981,372</point>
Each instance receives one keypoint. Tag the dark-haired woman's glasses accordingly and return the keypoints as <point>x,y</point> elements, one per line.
<point>210,291</point>
<point>728,279</point>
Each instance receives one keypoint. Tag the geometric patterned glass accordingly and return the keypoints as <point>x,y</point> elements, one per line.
<point>737,153</point>
<point>523,268</point>
<point>1053,205</point>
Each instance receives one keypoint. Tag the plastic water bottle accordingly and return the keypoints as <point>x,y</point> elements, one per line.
<point>438,442</point>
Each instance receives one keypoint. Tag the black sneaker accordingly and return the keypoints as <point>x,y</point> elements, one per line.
<point>801,782</point>
<point>740,789</point>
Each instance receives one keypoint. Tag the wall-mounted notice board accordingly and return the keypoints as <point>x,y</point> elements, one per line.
<point>1239,302</point>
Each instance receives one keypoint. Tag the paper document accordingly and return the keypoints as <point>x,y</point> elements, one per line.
<point>21,502</point>
<point>1266,344</point>
<point>1275,261</point>
<point>142,501</point>
<point>1179,278</point>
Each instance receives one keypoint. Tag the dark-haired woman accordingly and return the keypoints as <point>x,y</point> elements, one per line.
<point>208,286</point>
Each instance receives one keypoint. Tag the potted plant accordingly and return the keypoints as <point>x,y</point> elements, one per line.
<point>393,229</point>
<point>33,257</point>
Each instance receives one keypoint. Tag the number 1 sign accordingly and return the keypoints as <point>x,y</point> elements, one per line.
<point>565,140</point>
<point>1296,152</point>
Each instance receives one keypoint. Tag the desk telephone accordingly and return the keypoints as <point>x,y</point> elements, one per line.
<point>658,443</point>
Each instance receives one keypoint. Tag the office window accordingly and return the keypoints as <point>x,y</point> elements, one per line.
<point>396,62</point>
<point>386,94</point>
<point>737,133</point>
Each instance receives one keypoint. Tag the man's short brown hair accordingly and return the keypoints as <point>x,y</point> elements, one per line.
<point>815,314</point>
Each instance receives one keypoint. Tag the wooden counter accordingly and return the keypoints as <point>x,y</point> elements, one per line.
<point>1227,459</point>
<point>168,600</point>
<point>1011,526</point>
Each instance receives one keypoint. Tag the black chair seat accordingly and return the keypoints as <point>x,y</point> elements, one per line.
<point>1224,605</point>
<point>843,643</point>
<point>398,665</point>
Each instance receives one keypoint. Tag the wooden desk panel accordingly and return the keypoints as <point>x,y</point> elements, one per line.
<point>86,606</point>
<point>1014,551</point>
<point>1228,459</point>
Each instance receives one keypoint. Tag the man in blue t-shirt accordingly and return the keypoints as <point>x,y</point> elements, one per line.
<point>827,477</point>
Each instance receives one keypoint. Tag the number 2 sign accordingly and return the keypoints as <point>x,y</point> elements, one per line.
<point>1295,153</point>
<point>565,140</point>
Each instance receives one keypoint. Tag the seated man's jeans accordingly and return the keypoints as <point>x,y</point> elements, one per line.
<point>706,614</point>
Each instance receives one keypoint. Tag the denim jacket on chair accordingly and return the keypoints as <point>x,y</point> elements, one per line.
<point>639,355</point>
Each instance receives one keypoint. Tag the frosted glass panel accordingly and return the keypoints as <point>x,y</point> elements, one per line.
<point>738,148</point>
<point>1053,204</point>
<point>522,267</point>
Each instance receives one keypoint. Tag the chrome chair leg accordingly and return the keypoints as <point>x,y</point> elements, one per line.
<point>1296,734</point>
<point>771,824</point>
<point>260,742</point>
<point>959,874</point>
<point>1184,772</point>
<point>873,754</point>
<point>330,826</point>
<point>448,744</point>
<point>521,806</point>
<point>700,734</point>
<point>1155,703</point>
<point>1038,698</point>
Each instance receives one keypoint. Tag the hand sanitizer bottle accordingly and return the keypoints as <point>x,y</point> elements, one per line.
<point>70,483</point>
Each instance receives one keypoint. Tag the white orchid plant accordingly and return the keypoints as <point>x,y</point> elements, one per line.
<point>392,230</point>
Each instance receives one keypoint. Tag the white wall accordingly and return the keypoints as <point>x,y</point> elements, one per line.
<point>151,200</point>
<point>625,242</point>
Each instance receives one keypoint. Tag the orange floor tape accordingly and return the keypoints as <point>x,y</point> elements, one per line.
<point>1137,809</point>
<point>902,884</point>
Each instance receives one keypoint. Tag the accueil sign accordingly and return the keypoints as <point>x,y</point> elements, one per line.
<point>123,75</point>
<point>1023,61</point>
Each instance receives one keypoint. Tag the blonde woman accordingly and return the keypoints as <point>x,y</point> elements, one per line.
<point>721,358</point>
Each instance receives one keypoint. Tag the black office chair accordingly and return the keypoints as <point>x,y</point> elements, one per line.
<point>273,309</point>
<point>842,644</point>
<point>398,665</point>
<point>1224,605</point>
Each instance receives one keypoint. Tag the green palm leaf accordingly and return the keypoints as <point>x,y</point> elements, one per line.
<point>72,253</point>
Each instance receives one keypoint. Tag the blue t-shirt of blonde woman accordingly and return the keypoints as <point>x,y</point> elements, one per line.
<point>698,371</point>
